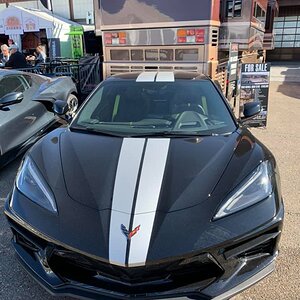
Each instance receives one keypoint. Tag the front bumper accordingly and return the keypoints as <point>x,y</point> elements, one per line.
<point>230,268</point>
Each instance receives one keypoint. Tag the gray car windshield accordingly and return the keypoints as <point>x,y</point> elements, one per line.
<point>129,108</point>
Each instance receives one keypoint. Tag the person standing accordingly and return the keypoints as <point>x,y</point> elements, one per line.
<point>17,59</point>
<point>4,56</point>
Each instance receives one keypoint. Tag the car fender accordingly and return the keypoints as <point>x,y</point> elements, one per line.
<point>58,88</point>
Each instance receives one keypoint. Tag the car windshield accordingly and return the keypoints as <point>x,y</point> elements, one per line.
<point>130,108</point>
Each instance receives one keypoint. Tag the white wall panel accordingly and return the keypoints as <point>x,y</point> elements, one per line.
<point>2,6</point>
<point>81,7</point>
<point>28,4</point>
<point>61,8</point>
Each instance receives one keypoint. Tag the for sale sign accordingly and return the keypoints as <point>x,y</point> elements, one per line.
<point>255,82</point>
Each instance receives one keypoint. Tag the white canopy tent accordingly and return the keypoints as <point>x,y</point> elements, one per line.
<point>15,21</point>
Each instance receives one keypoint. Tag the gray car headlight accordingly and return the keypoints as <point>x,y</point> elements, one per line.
<point>31,183</point>
<point>255,188</point>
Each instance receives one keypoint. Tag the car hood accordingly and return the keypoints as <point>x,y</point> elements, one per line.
<point>151,194</point>
<point>152,173</point>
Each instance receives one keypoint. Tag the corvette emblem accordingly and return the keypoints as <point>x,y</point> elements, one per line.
<point>130,234</point>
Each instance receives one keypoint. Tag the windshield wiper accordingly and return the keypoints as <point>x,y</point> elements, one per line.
<point>95,131</point>
<point>174,134</point>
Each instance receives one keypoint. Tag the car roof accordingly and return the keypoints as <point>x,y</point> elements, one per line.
<point>4,72</point>
<point>150,76</point>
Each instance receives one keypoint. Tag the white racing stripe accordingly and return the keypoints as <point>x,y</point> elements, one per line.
<point>146,77</point>
<point>165,77</point>
<point>139,243</point>
<point>123,197</point>
<point>147,198</point>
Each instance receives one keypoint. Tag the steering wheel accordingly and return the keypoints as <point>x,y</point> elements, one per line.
<point>188,118</point>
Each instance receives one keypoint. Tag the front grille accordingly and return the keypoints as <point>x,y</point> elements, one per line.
<point>135,280</point>
<point>189,273</point>
<point>24,242</point>
<point>262,245</point>
<point>27,239</point>
<point>266,248</point>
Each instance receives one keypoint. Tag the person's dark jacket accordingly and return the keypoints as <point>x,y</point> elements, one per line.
<point>16,61</point>
<point>3,59</point>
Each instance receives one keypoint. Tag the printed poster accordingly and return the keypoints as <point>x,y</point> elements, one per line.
<point>255,82</point>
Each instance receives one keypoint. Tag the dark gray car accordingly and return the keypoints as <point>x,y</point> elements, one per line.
<point>26,108</point>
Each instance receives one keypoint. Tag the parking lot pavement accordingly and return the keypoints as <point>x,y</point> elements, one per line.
<point>282,136</point>
<point>15,283</point>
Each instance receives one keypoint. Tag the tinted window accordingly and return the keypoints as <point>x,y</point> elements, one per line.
<point>166,54</point>
<point>134,108</point>
<point>137,55</point>
<point>28,79</point>
<point>234,8</point>
<point>259,13</point>
<point>151,54</point>
<point>119,54</point>
<point>186,54</point>
<point>11,84</point>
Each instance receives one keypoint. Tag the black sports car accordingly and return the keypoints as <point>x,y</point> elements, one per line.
<point>153,191</point>
<point>26,102</point>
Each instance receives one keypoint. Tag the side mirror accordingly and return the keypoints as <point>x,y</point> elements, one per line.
<point>60,107</point>
<point>11,98</point>
<point>251,110</point>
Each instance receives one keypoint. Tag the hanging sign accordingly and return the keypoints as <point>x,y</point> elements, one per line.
<point>54,47</point>
<point>76,41</point>
<point>12,22</point>
<point>30,23</point>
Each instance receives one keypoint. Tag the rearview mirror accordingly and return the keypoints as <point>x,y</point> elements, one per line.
<point>11,98</point>
<point>251,110</point>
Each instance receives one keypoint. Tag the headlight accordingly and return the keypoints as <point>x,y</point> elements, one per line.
<point>255,188</point>
<point>31,183</point>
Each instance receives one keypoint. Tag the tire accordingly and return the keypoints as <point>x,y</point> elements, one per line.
<point>73,104</point>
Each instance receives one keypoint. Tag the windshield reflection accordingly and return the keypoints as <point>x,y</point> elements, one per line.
<point>179,108</point>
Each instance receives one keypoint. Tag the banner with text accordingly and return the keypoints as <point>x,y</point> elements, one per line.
<point>255,82</point>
